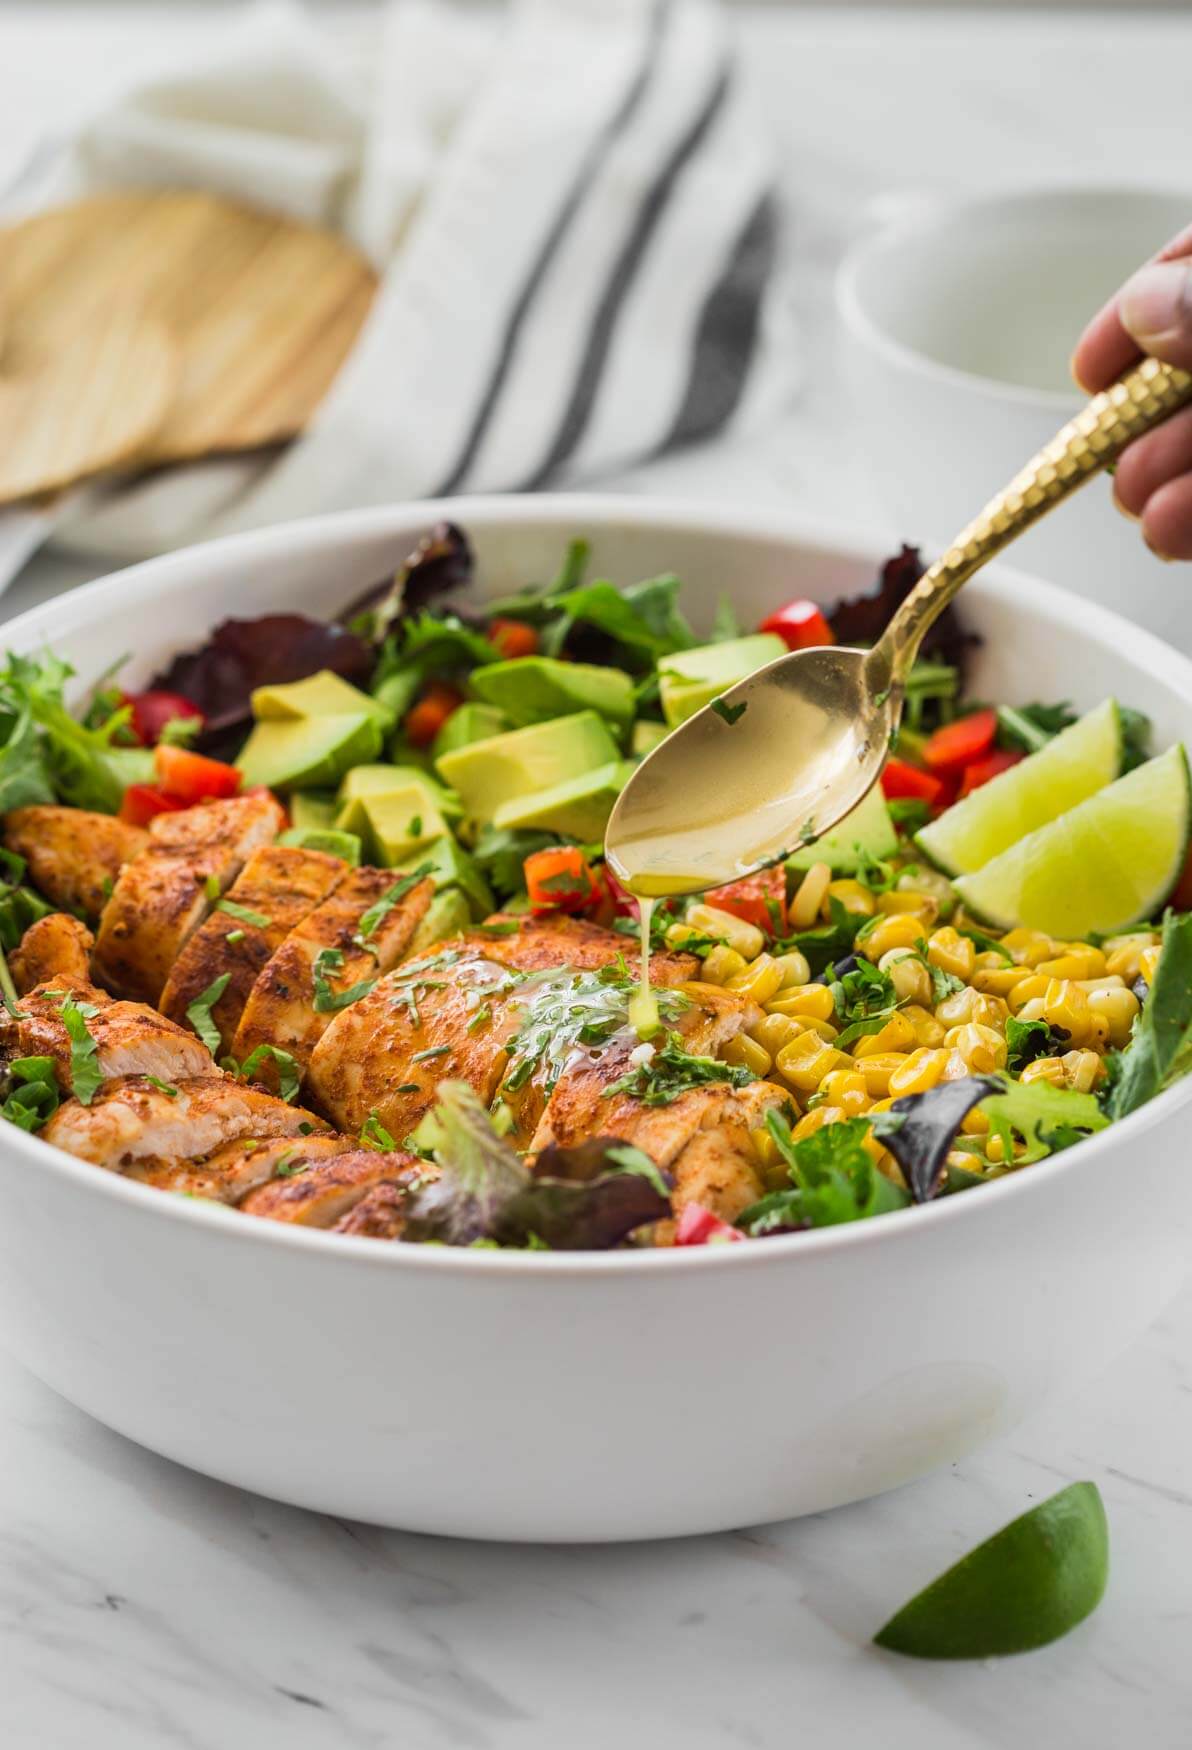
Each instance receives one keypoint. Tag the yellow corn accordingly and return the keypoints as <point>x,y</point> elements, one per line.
<point>812,1000</point>
<point>1065,1005</point>
<point>847,1089</point>
<point>1082,1070</point>
<point>982,1049</point>
<point>853,897</point>
<point>1123,954</point>
<point>904,931</point>
<point>908,975</point>
<point>992,975</point>
<point>747,1051</point>
<point>897,1035</point>
<point>807,1060</point>
<point>1079,960</point>
<point>815,1120</point>
<point>972,1005</point>
<point>951,952</point>
<point>928,1031</point>
<point>918,1072</point>
<point>1028,947</point>
<point>916,905</point>
<point>956,1069</point>
<point>747,939</point>
<point>1119,1009</point>
<point>795,968</point>
<point>1045,1069</point>
<point>774,1031</point>
<point>878,1070</point>
<point>927,881</point>
<point>1111,981</point>
<point>761,980</point>
<point>1148,963</point>
<point>1025,992</point>
<point>995,1150</point>
<point>721,964</point>
<point>974,1122</point>
<point>810,894</point>
<point>766,1150</point>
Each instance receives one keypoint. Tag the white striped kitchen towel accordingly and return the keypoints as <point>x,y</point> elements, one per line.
<point>573,215</point>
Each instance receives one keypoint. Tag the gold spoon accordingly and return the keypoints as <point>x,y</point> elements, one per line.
<point>783,756</point>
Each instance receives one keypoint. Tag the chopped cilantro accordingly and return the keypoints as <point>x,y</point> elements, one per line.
<point>499,927</point>
<point>374,1135</point>
<point>86,1077</point>
<point>212,888</point>
<point>672,1071</point>
<point>834,1180</point>
<point>33,1095</point>
<point>198,1013</point>
<point>166,1088</point>
<point>909,813</point>
<point>234,936</point>
<point>286,1166</point>
<point>244,914</point>
<point>431,1051</point>
<point>289,1075</point>
<point>565,1009</point>
<point>1027,1040</point>
<point>374,917</point>
<point>327,1001</point>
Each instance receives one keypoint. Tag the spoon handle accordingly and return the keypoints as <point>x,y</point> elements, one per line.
<point>1093,440</point>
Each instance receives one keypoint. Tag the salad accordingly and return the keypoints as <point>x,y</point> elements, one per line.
<point>317,928</point>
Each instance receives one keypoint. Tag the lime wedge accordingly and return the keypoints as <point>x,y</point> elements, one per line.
<point>1026,1585</point>
<point>1077,763</point>
<point>1105,864</point>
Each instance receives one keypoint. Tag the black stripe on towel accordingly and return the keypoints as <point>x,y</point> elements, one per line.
<point>578,412</point>
<point>551,244</point>
<point>726,335</point>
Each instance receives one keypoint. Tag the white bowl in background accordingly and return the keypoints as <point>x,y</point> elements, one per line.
<point>957,321</point>
<point>606,1395</point>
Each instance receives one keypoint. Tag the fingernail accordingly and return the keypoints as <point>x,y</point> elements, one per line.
<point>1157,301</point>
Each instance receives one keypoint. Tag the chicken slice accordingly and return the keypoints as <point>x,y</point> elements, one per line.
<point>131,1039</point>
<point>56,946</point>
<point>130,1120</point>
<point>238,1167</point>
<point>74,857</point>
<point>381,1212</point>
<point>281,1008</point>
<point>280,885</point>
<point>719,1167</point>
<point>558,940</point>
<point>424,1024</point>
<point>163,895</point>
<point>321,1194</point>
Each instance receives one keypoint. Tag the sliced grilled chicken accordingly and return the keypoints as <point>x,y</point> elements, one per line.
<point>424,1024</point>
<point>162,896</point>
<point>381,1213</point>
<point>238,1167</point>
<point>321,1194</point>
<point>131,1039</point>
<point>558,940</point>
<point>279,886</point>
<point>130,1120</point>
<point>74,857</point>
<point>57,946</point>
<point>719,1167</point>
<point>283,1008</point>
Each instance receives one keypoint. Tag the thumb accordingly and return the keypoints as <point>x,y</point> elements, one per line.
<point>1155,306</point>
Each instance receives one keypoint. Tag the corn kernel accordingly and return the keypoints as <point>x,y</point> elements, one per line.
<point>810,894</point>
<point>991,974</point>
<point>917,905</point>
<point>928,1031</point>
<point>761,980</point>
<point>896,1035</point>
<point>796,968</point>
<point>982,1049</point>
<point>878,1070</point>
<point>1078,960</point>
<point>1148,963</point>
<point>1025,992</point>
<point>995,1150</point>
<point>1119,1009</point>
<point>908,975</point>
<point>772,1032</point>
<point>766,1152</point>
<point>807,1060</point>
<point>747,939</point>
<point>1045,1069</point>
<point>904,931</point>
<point>1065,1005</point>
<point>951,952</point>
<point>1123,954</point>
<point>972,1005</point>
<point>1028,947</point>
<point>918,1072</point>
<point>956,1069</point>
<point>974,1122</point>
<point>853,897</point>
<point>721,964</point>
<point>812,1024</point>
<point>1082,1070</point>
<point>807,999</point>
<point>816,1119</point>
<point>1111,981</point>
<point>747,1051</point>
<point>847,1089</point>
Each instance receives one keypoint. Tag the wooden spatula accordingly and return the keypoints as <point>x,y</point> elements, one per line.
<point>262,310</point>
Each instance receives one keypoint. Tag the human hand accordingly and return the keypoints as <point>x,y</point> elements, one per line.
<point>1151,314</point>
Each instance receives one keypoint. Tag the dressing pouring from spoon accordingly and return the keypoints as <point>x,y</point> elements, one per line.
<point>783,756</point>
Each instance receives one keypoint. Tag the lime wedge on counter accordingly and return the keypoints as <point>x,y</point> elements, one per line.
<point>1074,765</point>
<point>1026,1585</point>
<point>1101,866</point>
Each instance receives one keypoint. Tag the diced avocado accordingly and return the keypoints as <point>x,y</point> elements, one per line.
<point>398,822</point>
<point>305,753</point>
<point>579,808</point>
<point>325,694</point>
<point>690,679</point>
<point>867,832</point>
<point>324,838</point>
<point>469,722</point>
<point>313,808</point>
<point>502,767</point>
<point>646,736</point>
<point>446,915</point>
<point>451,866</point>
<point>364,784</point>
<point>533,689</point>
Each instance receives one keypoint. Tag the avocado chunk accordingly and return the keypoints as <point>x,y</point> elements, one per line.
<point>307,753</point>
<point>502,767</point>
<point>691,679</point>
<point>867,831</point>
<point>313,808</point>
<point>579,808</point>
<point>398,822</point>
<point>451,866</point>
<point>325,694</point>
<point>446,915</point>
<point>646,736</point>
<point>533,689</point>
<point>472,721</point>
<point>363,783</point>
<point>318,838</point>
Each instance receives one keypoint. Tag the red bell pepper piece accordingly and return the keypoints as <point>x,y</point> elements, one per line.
<point>560,879</point>
<point>423,721</point>
<point>800,625</point>
<point>192,777</point>
<point>901,780</point>
<point>143,802</point>
<point>512,638</point>
<point>959,744</point>
<point>151,711</point>
<point>697,1226</point>
<point>758,899</point>
<point>980,771</point>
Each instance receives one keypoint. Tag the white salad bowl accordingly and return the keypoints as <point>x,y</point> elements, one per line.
<point>604,1395</point>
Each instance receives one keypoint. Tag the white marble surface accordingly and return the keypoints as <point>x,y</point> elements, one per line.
<point>144,1607</point>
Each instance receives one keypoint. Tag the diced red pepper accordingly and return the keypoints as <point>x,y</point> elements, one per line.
<point>901,780</point>
<point>980,771</point>
<point>143,802</point>
<point>423,721</point>
<point>192,777</point>
<point>800,624</point>
<point>959,744</point>
<point>697,1226</point>
<point>151,712</point>
<point>758,899</point>
<point>512,638</point>
<point>560,879</point>
<point>623,902</point>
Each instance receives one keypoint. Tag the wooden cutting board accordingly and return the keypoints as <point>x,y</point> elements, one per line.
<point>261,311</point>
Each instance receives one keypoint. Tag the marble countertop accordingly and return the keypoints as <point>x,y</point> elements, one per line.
<point>143,1607</point>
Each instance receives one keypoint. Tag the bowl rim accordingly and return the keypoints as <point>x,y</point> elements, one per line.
<point>936,212</point>
<point>1032,593</point>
